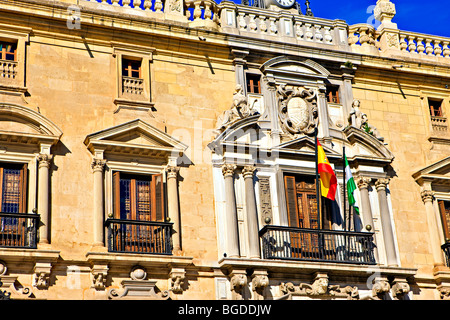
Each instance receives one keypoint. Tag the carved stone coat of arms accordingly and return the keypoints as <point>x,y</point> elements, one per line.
<point>297,110</point>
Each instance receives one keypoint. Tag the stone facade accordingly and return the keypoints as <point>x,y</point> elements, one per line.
<point>222,148</point>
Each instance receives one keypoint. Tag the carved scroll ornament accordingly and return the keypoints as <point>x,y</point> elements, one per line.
<point>297,109</point>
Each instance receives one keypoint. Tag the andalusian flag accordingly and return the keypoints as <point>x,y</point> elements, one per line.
<point>328,181</point>
<point>351,185</point>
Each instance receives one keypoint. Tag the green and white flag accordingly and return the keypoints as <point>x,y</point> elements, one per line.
<point>351,186</point>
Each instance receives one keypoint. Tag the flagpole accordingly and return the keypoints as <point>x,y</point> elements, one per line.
<point>317,179</point>
<point>345,205</point>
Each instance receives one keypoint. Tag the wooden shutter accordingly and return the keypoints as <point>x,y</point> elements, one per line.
<point>23,188</point>
<point>116,195</point>
<point>291,200</point>
<point>444,208</point>
<point>158,196</point>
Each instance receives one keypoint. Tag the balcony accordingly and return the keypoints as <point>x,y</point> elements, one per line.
<point>18,230</point>
<point>288,243</point>
<point>446,248</point>
<point>131,236</point>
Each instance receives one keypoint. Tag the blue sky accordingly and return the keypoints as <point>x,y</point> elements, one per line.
<point>429,17</point>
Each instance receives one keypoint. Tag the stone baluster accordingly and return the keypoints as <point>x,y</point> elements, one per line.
<point>403,43</point>
<point>148,4</point>
<point>420,46</point>
<point>388,232</point>
<point>411,44</point>
<point>172,206</point>
<point>437,48</point>
<point>445,49</point>
<point>158,5</point>
<point>429,50</point>
<point>126,3</point>
<point>43,195</point>
<point>273,26</point>
<point>428,198</point>
<point>232,237</point>
<point>262,24</point>
<point>98,166</point>
<point>252,213</point>
<point>252,23</point>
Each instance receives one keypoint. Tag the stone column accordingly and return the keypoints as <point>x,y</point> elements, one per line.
<point>363,185</point>
<point>366,209</point>
<point>232,236</point>
<point>172,204</point>
<point>98,166</point>
<point>433,231</point>
<point>388,232</point>
<point>252,213</point>
<point>43,195</point>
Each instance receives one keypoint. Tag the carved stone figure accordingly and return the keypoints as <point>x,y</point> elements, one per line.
<point>360,120</point>
<point>240,109</point>
<point>298,111</point>
<point>355,117</point>
<point>237,283</point>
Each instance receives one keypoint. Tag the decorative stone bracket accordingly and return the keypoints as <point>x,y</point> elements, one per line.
<point>99,276</point>
<point>177,280</point>
<point>238,281</point>
<point>260,281</point>
<point>41,276</point>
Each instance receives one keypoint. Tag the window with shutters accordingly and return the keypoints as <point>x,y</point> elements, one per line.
<point>13,188</point>
<point>253,83</point>
<point>139,216</point>
<point>13,178</point>
<point>138,197</point>
<point>302,213</point>
<point>302,203</point>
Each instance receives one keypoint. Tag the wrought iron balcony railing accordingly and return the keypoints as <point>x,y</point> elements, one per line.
<point>139,236</point>
<point>317,245</point>
<point>446,248</point>
<point>19,230</point>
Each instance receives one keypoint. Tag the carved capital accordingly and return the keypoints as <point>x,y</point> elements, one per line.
<point>363,182</point>
<point>228,170</point>
<point>427,196</point>
<point>248,171</point>
<point>172,172</point>
<point>44,160</point>
<point>381,184</point>
<point>98,165</point>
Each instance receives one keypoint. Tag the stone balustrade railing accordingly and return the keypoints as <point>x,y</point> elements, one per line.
<point>202,13</point>
<point>8,69</point>
<point>133,86</point>
<point>416,43</point>
<point>363,38</point>
<point>293,27</point>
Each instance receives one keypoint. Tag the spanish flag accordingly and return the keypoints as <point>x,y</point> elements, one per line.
<point>328,181</point>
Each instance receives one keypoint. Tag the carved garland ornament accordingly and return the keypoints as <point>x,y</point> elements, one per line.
<point>297,110</point>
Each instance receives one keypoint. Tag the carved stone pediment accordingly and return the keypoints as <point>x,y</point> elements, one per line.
<point>297,110</point>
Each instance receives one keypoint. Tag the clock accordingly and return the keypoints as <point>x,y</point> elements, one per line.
<point>285,3</point>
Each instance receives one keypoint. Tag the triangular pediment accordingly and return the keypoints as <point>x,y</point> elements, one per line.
<point>135,136</point>
<point>304,143</point>
<point>438,172</point>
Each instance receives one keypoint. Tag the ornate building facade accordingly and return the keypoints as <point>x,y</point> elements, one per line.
<point>165,150</point>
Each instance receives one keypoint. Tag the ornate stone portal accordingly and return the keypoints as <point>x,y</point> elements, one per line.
<point>297,110</point>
